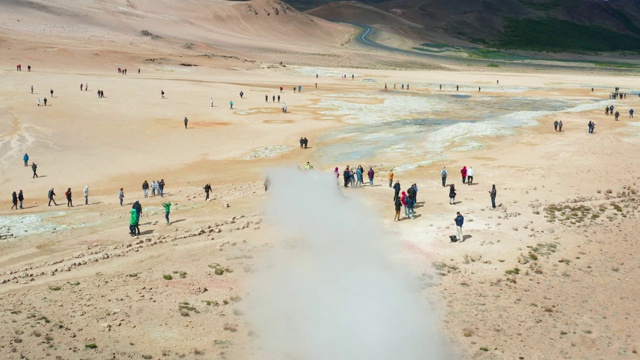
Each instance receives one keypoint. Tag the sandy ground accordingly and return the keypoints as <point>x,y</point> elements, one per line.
<point>549,274</point>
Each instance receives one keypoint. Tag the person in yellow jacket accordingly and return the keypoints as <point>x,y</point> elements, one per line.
<point>390,178</point>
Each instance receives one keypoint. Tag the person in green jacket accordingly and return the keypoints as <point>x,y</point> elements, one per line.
<point>167,210</point>
<point>133,222</point>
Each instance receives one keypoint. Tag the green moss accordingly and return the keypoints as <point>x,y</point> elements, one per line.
<point>554,35</point>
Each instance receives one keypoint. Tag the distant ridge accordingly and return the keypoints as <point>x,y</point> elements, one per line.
<point>539,25</point>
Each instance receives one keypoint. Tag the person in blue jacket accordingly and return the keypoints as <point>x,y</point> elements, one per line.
<point>25,158</point>
<point>459,221</point>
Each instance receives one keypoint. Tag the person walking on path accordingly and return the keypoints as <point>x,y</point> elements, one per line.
<point>452,194</point>
<point>14,200</point>
<point>284,108</point>
<point>162,94</point>
<point>186,121</point>
<point>25,158</point>
<point>617,115</point>
<point>145,188</point>
<point>132,222</point>
<point>231,105</point>
<point>396,188</point>
<point>85,192</point>
<point>167,211</point>
<point>370,174</point>
<point>45,101</point>
<point>492,193</point>
<point>69,199</point>
<point>34,167</point>
<point>32,89</point>
<point>555,125</point>
<point>463,172</point>
<point>138,208</point>
<point>390,178</point>
<point>51,92</point>
<point>211,102</point>
<point>50,195</point>
<point>121,195</point>
<point>560,126</point>
<point>398,205</point>
<point>359,178</point>
<point>38,101</point>
<point>241,94</point>
<point>20,198</point>
<point>630,113</point>
<point>470,176</point>
<point>207,190</point>
<point>459,219</point>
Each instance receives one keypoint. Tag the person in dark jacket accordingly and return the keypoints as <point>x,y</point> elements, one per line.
<point>492,193</point>
<point>459,219</point>
<point>68,195</point>
<point>346,176</point>
<point>50,195</point>
<point>396,188</point>
<point>452,195</point>
<point>398,205</point>
<point>207,190</point>
<point>20,198</point>
<point>371,173</point>
<point>14,200</point>
<point>145,188</point>
<point>34,167</point>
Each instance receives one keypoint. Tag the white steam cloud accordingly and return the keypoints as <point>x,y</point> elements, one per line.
<point>333,291</point>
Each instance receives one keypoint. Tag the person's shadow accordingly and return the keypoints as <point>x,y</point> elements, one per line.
<point>177,221</point>
<point>466,237</point>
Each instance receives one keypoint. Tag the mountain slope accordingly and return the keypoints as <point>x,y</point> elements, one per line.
<point>555,25</point>
<point>255,23</point>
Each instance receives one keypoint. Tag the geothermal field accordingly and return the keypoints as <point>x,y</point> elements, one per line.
<point>307,268</point>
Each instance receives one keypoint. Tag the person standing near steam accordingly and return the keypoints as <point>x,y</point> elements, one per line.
<point>346,175</point>
<point>396,188</point>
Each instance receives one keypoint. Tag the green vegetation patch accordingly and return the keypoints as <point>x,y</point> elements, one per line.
<point>554,35</point>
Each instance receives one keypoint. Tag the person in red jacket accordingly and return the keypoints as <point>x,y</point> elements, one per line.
<point>463,172</point>
<point>403,200</point>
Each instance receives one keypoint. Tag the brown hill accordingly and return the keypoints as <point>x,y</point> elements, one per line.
<point>228,24</point>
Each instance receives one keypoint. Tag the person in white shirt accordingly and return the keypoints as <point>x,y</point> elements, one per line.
<point>86,194</point>
<point>470,176</point>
